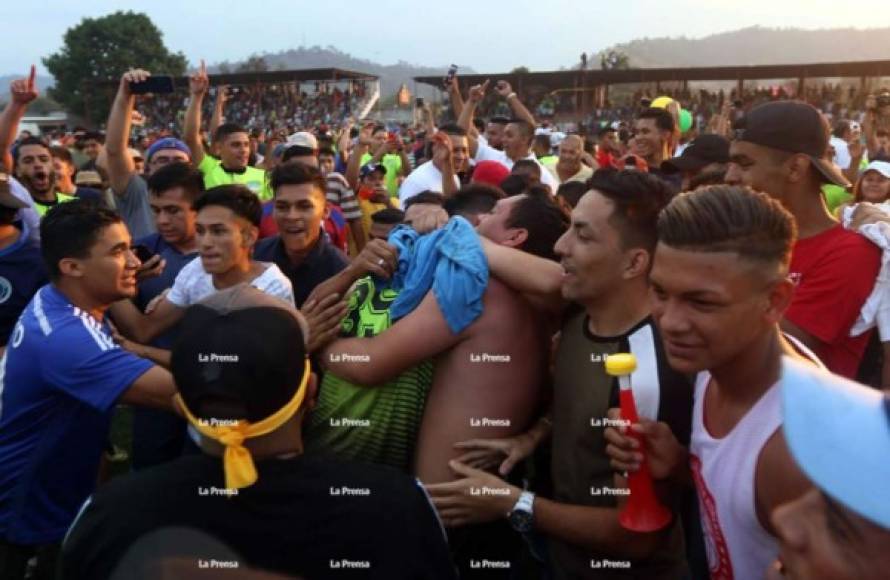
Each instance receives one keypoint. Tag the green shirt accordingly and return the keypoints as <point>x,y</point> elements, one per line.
<point>393,164</point>
<point>252,177</point>
<point>377,424</point>
<point>835,196</point>
<point>42,208</point>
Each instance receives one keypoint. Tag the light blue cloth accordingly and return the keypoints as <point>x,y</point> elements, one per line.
<point>449,260</point>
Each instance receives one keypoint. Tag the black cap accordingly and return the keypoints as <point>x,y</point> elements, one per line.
<point>240,355</point>
<point>702,151</point>
<point>794,127</point>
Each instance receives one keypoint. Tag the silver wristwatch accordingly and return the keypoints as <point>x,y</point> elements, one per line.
<point>522,514</point>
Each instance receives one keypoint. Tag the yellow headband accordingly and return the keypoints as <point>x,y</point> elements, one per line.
<point>237,461</point>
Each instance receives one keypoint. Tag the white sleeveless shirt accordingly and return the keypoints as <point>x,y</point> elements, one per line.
<point>738,546</point>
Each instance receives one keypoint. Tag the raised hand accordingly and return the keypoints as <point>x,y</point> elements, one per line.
<point>477,92</point>
<point>134,75</point>
<point>23,91</point>
<point>503,88</point>
<point>199,82</point>
<point>364,136</point>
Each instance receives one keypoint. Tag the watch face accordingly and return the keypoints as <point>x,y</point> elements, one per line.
<point>521,520</point>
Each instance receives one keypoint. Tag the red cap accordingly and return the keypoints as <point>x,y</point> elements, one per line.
<point>490,172</point>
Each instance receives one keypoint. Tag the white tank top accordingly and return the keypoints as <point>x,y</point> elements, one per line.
<point>738,547</point>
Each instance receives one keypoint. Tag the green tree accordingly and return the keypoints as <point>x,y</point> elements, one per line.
<point>255,63</point>
<point>614,60</point>
<point>520,70</point>
<point>98,51</point>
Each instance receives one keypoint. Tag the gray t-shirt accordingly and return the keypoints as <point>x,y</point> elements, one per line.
<point>134,208</point>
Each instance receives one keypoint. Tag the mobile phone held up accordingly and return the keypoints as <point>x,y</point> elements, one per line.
<point>452,70</point>
<point>154,84</point>
<point>143,253</point>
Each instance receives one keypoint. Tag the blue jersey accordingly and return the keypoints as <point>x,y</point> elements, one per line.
<point>21,274</point>
<point>59,380</point>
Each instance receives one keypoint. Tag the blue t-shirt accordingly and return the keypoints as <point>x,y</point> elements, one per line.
<point>151,287</point>
<point>59,380</point>
<point>22,273</point>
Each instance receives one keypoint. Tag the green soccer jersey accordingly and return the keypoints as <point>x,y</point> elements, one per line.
<point>378,424</point>
<point>253,178</point>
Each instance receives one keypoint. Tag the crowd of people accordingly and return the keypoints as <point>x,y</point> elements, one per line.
<point>390,352</point>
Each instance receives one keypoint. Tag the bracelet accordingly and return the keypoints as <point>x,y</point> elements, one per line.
<point>511,95</point>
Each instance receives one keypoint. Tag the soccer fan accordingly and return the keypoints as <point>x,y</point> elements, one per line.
<point>653,138</point>
<point>378,147</point>
<point>226,229</point>
<point>231,140</point>
<point>606,256</point>
<point>246,385</point>
<point>62,376</point>
<point>383,221</point>
<point>494,132</point>
<point>840,529</point>
<point>705,155</point>
<point>64,171</point>
<point>568,166</point>
<point>518,134</point>
<point>21,268</point>
<point>473,201</point>
<point>173,189</point>
<point>439,174</point>
<point>372,193</point>
<point>339,193</point>
<point>91,145</point>
<point>782,150</point>
<point>130,189</point>
<point>300,249</point>
<point>719,288</point>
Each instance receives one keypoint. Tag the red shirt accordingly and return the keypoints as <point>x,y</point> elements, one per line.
<point>834,273</point>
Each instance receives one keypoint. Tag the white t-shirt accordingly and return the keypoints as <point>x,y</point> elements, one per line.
<point>193,284</point>
<point>486,153</point>
<point>842,156</point>
<point>426,177</point>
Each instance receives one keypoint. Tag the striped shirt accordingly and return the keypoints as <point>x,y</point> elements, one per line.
<point>339,194</point>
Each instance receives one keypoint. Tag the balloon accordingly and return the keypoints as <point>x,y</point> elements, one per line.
<point>685,120</point>
<point>661,102</point>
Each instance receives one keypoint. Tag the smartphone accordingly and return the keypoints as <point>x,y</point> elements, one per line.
<point>452,70</point>
<point>143,253</point>
<point>418,102</point>
<point>154,84</point>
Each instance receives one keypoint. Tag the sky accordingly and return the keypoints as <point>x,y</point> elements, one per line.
<point>487,35</point>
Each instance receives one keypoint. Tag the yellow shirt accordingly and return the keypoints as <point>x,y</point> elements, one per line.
<point>252,177</point>
<point>393,164</point>
<point>42,208</point>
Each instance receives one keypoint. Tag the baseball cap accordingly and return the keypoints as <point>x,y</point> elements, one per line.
<point>241,367</point>
<point>839,434</point>
<point>7,199</point>
<point>490,172</point>
<point>701,151</point>
<point>88,178</point>
<point>167,143</point>
<point>302,139</point>
<point>882,167</point>
<point>369,168</point>
<point>794,127</point>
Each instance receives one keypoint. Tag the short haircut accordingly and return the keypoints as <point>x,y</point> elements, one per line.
<point>427,196</point>
<point>840,128</point>
<point>715,176</point>
<point>526,129</point>
<point>177,174</point>
<point>243,202</point>
<point>94,136</point>
<point>473,199</point>
<point>70,230</point>
<point>637,197</point>
<point>377,129</point>
<point>663,119</point>
<point>296,174</point>
<point>572,192</point>
<point>515,184</point>
<point>28,141</point>
<point>605,131</point>
<point>388,216</point>
<point>226,129</point>
<point>499,120</point>
<point>729,218</point>
<point>326,151</point>
<point>452,129</point>
<point>543,141</point>
<point>545,221</point>
<point>62,154</point>
<point>526,165</point>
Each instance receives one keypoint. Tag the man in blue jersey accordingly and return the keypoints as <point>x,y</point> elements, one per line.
<point>159,436</point>
<point>60,378</point>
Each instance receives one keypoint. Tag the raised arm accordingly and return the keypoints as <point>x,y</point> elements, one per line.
<point>465,121</point>
<point>218,107</point>
<point>355,159</point>
<point>198,84</point>
<point>22,92</point>
<point>519,111</point>
<point>120,164</point>
<point>457,100</point>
